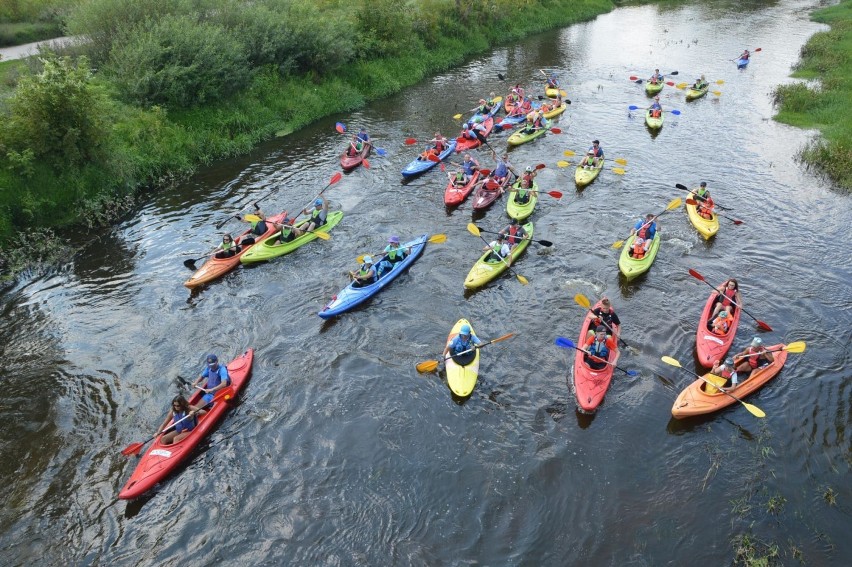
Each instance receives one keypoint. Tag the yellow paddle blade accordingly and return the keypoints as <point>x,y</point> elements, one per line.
<point>497,99</point>
<point>322,235</point>
<point>796,347</point>
<point>252,218</point>
<point>473,229</point>
<point>568,153</point>
<point>582,301</point>
<point>717,93</point>
<point>427,366</point>
<point>457,116</point>
<point>681,85</point>
<point>754,410</point>
<point>618,170</point>
<point>618,244</point>
<point>720,82</point>
<point>523,280</point>
<point>562,93</point>
<point>620,161</point>
<point>674,203</point>
<point>360,259</point>
<point>563,163</point>
<point>672,361</point>
<point>437,238</point>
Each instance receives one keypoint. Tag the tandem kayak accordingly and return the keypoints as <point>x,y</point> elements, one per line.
<point>160,460</point>
<point>521,211</point>
<point>742,63</point>
<point>461,379</point>
<point>710,346</point>
<point>483,197</point>
<point>215,268</point>
<point>695,399</point>
<point>590,385</point>
<point>456,195</point>
<point>705,227</point>
<point>269,249</point>
<point>526,135</point>
<point>350,297</point>
<point>554,112</point>
<point>349,162</point>
<point>420,165</point>
<point>583,176</point>
<point>652,89</point>
<point>464,144</point>
<point>692,94</point>
<point>653,123</point>
<point>483,271</point>
<point>632,267</point>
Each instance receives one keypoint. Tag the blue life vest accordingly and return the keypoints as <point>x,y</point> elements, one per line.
<point>599,349</point>
<point>186,424</point>
<point>217,377</point>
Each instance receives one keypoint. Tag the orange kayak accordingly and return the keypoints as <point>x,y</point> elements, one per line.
<point>215,268</point>
<point>695,399</point>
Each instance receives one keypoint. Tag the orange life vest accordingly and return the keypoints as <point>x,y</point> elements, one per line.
<point>722,324</point>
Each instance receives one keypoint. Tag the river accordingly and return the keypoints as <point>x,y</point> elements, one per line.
<point>340,453</point>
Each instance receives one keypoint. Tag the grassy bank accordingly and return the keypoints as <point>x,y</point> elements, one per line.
<point>825,101</point>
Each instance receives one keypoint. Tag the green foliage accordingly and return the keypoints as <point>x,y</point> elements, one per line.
<point>28,32</point>
<point>384,29</point>
<point>33,10</point>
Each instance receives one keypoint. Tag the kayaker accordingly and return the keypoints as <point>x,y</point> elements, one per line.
<point>645,229</point>
<point>603,316</point>
<point>726,371</point>
<point>705,201</point>
<point>514,233</point>
<point>593,156</point>
<point>216,377</point>
<point>490,183</point>
<point>467,132</point>
<point>656,78</point>
<point>318,215</point>
<point>365,275</point>
<point>460,345</point>
<point>552,82</point>
<point>745,55</point>
<point>362,136</point>
<point>184,419</point>
<point>656,108</point>
<point>700,83</point>
<point>728,291</point>
<point>258,227</point>
<point>722,323</point>
<point>755,356</point>
<point>227,247</point>
<point>457,178</point>
<point>528,177</point>
<point>395,253</point>
<point>598,348</point>
<point>484,107</point>
<point>470,166</point>
<point>503,167</point>
<point>480,131</point>
<point>439,142</point>
<point>499,249</point>
<point>288,231</point>
<point>520,90</point>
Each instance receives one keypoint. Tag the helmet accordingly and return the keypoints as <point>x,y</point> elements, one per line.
<point>394,240</point>
<point>529,169</point>
<point>212,359</point>
<point>465,330</point>
<point>318,203</point>
<point>756,341</point>
<point>368,259</point>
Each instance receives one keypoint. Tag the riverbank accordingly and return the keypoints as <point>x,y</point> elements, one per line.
<point>824,101</point>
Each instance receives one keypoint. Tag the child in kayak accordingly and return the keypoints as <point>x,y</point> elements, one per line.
<point>722,323</point>
<point>461,343</point>
<point>499,248</point>
<point>656,78</point>
<point>394,251</point>
<point>755,356</point>
<point>602,316</point>
<point>705,201</point>
<point>598,348</point>
<point>645,230</point>
<point>727,372</point>
<point>593,156</point>
<point>288,231</point>
<point>183,418</point>
<point>365,275</point>
<point>655,108</point>
<point>700,83</point>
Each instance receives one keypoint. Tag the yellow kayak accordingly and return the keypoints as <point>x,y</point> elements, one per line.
<point>705,227</point>
<point>556,111</point>
<point>483,272</point>
<point>583,176</point>
<point>461,379</point>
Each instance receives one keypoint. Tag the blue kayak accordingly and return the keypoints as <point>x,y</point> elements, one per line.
<point>492,112</point>
<point>517,119</point>
<point>418,166</point>
<point>741,63</point>
<point>349,297</point>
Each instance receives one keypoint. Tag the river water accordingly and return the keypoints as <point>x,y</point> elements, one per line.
<point>339,453</point>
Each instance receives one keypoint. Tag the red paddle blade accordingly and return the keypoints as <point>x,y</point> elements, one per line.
<point>498,120</point>
<point>366,163</point>
<point>132,449</point>
<point>409,141</point>
<point>506,126</point>
<point>556,194</point>
<point>541,166</point>
<point>738,221</point>
<point>556,130</point>
<point>696,275</point>
<point>670,83</point>
<point>633,78</point>
<point>484,171</point>
<point>340,127</point>
<point>759,49</point>
<point>335,178</point>
<point>433,157</point>
<point>763,326</point>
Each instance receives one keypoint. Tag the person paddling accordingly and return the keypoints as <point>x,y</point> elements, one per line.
<point>602,316</point>
<point>594,156</point>
<point>598,348</point>
<point>656,78</point>
<point>184,419</point>
<point>215,377</point>
<point>258,227</point>
<point>461,343</point>
<point>288,231</point>
<point>699,84</point>
<point>318,215</point>
<point>726,371</point>
<point>394,252</point>
<point>501,171</point>
<point>365,275</point>
<point>728,293</point>
<point>645,230</point>
<point>227,248</point>
<point>656,108</point>
<point>753,357</point>
<point>705,204</point>
<point>500,250</point>
<point>514,233</point>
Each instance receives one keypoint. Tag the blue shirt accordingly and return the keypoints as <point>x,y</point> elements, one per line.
<point>215,377</point>
<point>502,170</point>
<point>598,153</point>
<point>457,345</point>
<point>652,228</point>
<point>468,167</point>
<point>363,136</point>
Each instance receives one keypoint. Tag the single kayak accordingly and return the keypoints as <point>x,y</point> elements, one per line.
<point>585,175</point>
<point>464,144</point>
<point>742,63</point>
<point>483,197</point>
<point>420,165</point>
<point>692,94</point>
<point>710,346</point>
<point>551,92</point>
<point>483,271</point>
<point>590,385</point>
<point>215,267</point>
<point>705,227</point>
<point>652,89</point>
<point>350,297</point>
<point>518,210</point>
<point>631,267</point>
<point>653,123</point>
<point>269,249</point>
<point>527,135</point>
<point>160,460</point>
<point>554,112</point>
<point>461,379</point>
<point>349,162</point>
<point>454,195</point>
<point>697,398</point>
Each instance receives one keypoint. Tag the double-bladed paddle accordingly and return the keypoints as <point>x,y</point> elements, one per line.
<point>568,343</point>
<point>639,81</point>
<point>434,239</point>
<point>432,365</point>
<point>760,323</point>
<point>634,107</point>
<point>754,410</point>
<point>673,204</point>
<point>473,229</point>
<point>583,301</point>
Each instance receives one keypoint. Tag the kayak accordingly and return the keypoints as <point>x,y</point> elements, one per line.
<point>590,385</point>
<point>583,177</point>
<point>651,89</point>
<point>653,123</point>
<point>348,163</point>
<point>517,210</point>
<point>692,94</point>
<point>705,227</point>
<point>710,346</point>
<point>494,110</point>
<point>215,268</point>
<point>268,249</point>
<point>631,267</point>
<point>483,197</point>
<point>456,195</point>
<point>695,399</point>
<point>464,144</point>
<point>160,460</point>
<point>513,119</point>
<point>419,165</point>
<point>742,63</point>
<point>523,136</point>
<point>461,379</point>
<point>483,272</point>
<point>551,92</point>
<point>553,113</point>
<point>349,297</point>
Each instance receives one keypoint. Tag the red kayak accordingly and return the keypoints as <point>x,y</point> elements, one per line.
<point>590,386</point>
<point>160,460</point>
<point>350,162</point>
<point>464,144</point>
<point>710,346</point>
<point>483,197</point>
<point>456,195</point>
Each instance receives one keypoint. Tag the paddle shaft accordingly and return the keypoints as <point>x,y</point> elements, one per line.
<point>611,330</point>
<point>683,187</point>
<point>542,242</point>
<point>760,323</point>
<point>575,347</point>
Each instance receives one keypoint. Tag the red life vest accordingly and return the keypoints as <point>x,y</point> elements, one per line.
<point>513,230</point>
<point>727,296</point>
<point>753,358</point>
<point>639,248</point>
<point>643,232</point>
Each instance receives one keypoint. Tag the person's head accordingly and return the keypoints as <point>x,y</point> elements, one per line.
<point>606,304</point>
<point>212,361</point>
<point>657,98</point>
<point>482,101</point>
<point>756,342</point>
<point>596,143</point>
<point>513,222</point>
<point>437,134</point>
<point>394,240</point>
<point>180,404</point>
<point>590,152</point>
<point>226,238</point>
<point>287,220</point>
<point>368,260</point>
<point>649,217</point>
<point>747,51</point>
<point>702,78</point>
<point>729,362</point>
<point>704,184</point>
<point>466,126</point>
<point>318,203</point>
<point>657,71</point>
<point>467,157</point>
<point>732,284</point>
<point>505,157</point>
<point>464,331</point>
<point>501,237</point>
<point>723,314</point>
<point>600,331</point>
<point>529,169</point>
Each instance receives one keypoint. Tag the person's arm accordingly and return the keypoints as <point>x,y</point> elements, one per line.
<point>739,299</point>
<point>615,319</point>
<point>167,422</point>
<point>199,379</point>
<point>476,340</point>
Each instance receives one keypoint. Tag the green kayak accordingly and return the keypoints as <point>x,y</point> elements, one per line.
<point>523,136</point>
<point>267,249</point>
<point>651,89</point>
<point>692,94</point>
<point>583,177</point>
<point>483,272</point>
<point>631,267</point>
<point>521,211</point>
<point>653,123</point>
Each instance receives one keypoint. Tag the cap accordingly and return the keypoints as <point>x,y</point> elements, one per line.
<point>756,341</point>
<point>465,330</point>
<point>318,203</point>
<point>368,259</point>
<point>590,152</point>
<point>212,359</point>
<point>704,184</point>
<point>394,239</point>
<point>513,221</point>
<point>600,329</point>
<point>723,313</point>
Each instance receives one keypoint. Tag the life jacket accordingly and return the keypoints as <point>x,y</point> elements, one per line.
<point>491,184</point>
<point>227,245</point>
<point>502,170</point>
<point>459,180</point>
<point>214,378</point>
<point>258,227</point>
<point>728,296</point>
<point>603,317</point>
<point>722,324</point>
<point>393,252</point>
<point>364,271</point>
<point>753,359</point>
<point>496,248</point>
<point>526,180</point>
<point>186,424</point>
<point>596,152</point>
<point>600,350</point>
<point>285,232</point>
<point>468,167</point>
<point>462,345</point>
<point>638,248</point>
<point>429,152</point>
<point>512,234</point>
<point>643,231</point>
<point>439,146</point>
<point>315,214</point>
<point>705,208</point>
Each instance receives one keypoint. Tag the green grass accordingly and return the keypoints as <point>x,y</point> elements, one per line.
<point>825,101</point>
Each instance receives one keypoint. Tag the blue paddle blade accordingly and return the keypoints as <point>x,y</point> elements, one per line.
<point>631,107</point>
<point>381,151</point>
<point>340,127</point>
<point>564,343</point>
<point>676,112</point>
<point>632,373</point>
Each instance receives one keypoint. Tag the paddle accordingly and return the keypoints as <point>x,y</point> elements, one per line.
<point>432,365</point>
<point>618,171</point>
<point>457,116</point>
<point>334,179</point>
<point>683,187</point>
<point>760,323</point>
<point>639,81</point>
<point>565,100</point>
<point>583,301</point>
<point>434,239</point>
<point>555,194</point>
<point>473,229</point>
<point>563,163</point>
<point>190,262</point>
<point>634,107</point>
<point>752,51</point>
<point>673,204</point>
<point>570,153</point>
<point>133,449</point>
<point>567,343</point>
<point>694,203</point>
<point>319,234</point>
<point>754,410</point>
